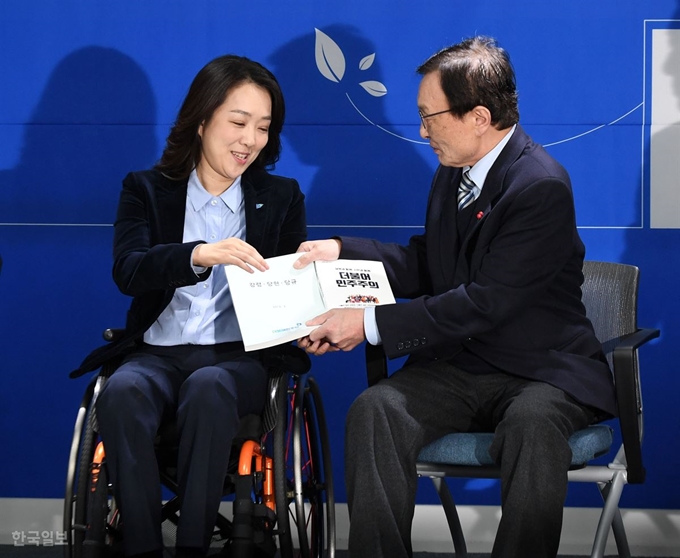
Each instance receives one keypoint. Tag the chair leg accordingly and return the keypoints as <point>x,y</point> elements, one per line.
<point>620,536</point>
<point>451,516</point>
<point>617,526</point>
<point>611,494</point>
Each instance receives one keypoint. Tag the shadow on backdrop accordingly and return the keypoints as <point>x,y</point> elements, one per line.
<point>364,175</point>
<point>654,252</point>
<point>650,248</point>
<point>94,123</point>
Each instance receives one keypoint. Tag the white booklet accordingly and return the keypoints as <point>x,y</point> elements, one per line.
<point>272,306</point>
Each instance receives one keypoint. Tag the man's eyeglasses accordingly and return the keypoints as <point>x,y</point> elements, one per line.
<point>424,116</point>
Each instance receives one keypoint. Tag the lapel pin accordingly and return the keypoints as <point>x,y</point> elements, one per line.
<point>480,215</point>
<point>258,205</point>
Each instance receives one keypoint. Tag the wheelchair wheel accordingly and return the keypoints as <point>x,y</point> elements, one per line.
<point>303,474</point>
<point>102,535</point>
<point>90,514</point>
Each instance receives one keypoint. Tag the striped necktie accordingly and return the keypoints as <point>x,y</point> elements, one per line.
<point>466,191</point>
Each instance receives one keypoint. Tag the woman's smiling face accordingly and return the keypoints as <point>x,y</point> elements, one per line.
<point>234,137</point>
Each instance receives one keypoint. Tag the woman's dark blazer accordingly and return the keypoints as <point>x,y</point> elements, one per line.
<point>151,261</point>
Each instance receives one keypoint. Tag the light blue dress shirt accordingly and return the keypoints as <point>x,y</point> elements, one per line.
<point>478,175</point>
<point>203,314</point>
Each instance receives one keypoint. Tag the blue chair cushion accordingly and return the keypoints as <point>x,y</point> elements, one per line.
<point>464,448</point>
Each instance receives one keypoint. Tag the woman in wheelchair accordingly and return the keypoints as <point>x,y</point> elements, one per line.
<point>208,202</point>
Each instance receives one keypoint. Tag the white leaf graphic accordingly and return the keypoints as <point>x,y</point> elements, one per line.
<point>329,58</point>
<point>367,62</point>
<point>375,88</point>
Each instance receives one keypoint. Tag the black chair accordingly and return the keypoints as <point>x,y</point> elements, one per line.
<point>610,297</point>
<point>279,475</point>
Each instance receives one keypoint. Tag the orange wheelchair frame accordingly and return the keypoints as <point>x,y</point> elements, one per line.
<point>281,479</point>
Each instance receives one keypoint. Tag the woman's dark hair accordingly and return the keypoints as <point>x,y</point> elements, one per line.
<point>207,92</point>
<point>477,72</point>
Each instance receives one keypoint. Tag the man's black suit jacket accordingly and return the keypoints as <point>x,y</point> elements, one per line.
<point>151,261</point>
<point>508,294</point>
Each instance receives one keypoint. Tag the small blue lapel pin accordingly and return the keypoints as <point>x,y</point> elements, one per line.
<point>258,205</point>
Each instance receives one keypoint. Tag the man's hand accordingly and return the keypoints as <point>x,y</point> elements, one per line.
<point>314,250</point>
<point>229,251</point>
<point>340,329</point>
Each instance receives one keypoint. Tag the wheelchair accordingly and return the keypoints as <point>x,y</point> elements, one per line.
<point>279,476</point>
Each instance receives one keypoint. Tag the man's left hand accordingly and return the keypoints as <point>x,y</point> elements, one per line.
<point>340,329</point>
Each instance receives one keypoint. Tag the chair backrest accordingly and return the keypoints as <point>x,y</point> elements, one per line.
<point>610,297</point>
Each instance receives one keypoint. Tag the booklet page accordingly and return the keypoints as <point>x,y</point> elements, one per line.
<point>353,283</point>
<point>272,306</point>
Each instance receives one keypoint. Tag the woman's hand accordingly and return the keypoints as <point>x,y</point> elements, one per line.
<point>232,251</point>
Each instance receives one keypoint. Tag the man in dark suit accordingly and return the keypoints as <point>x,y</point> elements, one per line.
<point>495,329</point>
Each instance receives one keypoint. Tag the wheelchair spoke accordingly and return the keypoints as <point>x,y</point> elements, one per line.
<point>306,488</point>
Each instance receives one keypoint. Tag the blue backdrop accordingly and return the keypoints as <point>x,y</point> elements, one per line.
<point>89,90</point>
